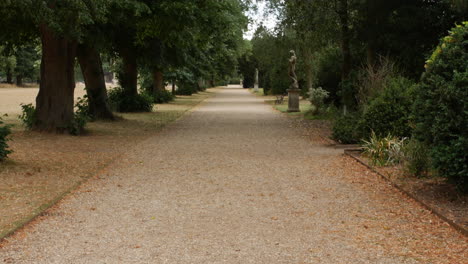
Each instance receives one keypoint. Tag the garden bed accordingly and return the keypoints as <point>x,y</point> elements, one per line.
<point>434,193</point>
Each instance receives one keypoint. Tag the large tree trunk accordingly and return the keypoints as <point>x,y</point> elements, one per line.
<point>345,39</point>
<point>128,78</point>
<point>9,76</point>
<point>173,87</point>
<point>91,67</point>
<point>19,80</point>
<point>158,81</point>
<point>54,103</point>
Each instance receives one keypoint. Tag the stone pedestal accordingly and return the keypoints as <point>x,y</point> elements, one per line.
<point>256,81</point>
<point>293,100</point>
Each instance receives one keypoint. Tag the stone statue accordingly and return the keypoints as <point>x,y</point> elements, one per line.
<point>292,70</point>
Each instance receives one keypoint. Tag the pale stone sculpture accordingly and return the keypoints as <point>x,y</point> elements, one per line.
<point>293,91</point>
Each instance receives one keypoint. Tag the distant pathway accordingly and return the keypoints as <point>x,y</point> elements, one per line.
<point>235,182</point>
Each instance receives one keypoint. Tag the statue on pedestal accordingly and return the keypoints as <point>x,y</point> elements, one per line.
<point>293,91</point>
<point>292,70</point>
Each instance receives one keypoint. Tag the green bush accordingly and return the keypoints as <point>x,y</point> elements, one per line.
<point>417,160</point>
<point>327,65</point>
<point>28,115</point>
<point>389,112</point>
<point>121,101</point>
<point>186,88</point>
<point>5,131</point>
<point>346,129</point>
<point>81,116</point>
<point>162,97</point>
<point>440,109</point>
<point>317,98</point>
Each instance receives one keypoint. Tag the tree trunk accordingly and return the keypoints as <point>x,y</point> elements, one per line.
<point>309,70</point>
<point>158,81</point>
<point>128,78</point>
<point>19,80</point>
<point>54,103</point>
<point>173,87</point>
<point>9,76</point>
<point>91,67</point>
<point>345,39</point>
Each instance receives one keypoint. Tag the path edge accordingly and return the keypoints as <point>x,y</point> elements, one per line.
<point>457,227</point>
<point>42,209</point>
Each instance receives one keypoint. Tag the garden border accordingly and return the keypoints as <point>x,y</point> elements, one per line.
<point>456,226</point>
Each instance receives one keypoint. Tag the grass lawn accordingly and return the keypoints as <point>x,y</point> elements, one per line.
<point>46,167</point>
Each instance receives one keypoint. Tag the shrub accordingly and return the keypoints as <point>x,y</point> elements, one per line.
<point>327,70</point>
<point>81,116</point>
<point>5,131</point>
<point>317,98</point>
<point>163,96</point>
<point>389,112</point>
<point>440,114</point>
<point>346,129</point>
<point>121,101</point>
<point>186,88</point>
<point>28,115</point>
<point>417,160</point>
<point>384,151</point>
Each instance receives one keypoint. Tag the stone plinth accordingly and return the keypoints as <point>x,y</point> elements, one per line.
<point>293,100</point>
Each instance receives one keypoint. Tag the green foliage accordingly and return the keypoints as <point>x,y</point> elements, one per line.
<point>162,97</point>
<point>440,109</point>
<point>346,129</point>
<point>121,101</point>
<point>383,151</point>
<point>28,115</point>
<point>327,70</point>
<point>5,131</point>
<point>417,159</point>
<point>317,98</point>
<point>186,88</point>
<point>81,116</point>
<point>389,112</point>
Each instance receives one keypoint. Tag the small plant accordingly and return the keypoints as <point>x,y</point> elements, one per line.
<point>121,101</point>
<point>417,158</point>
<point>317,98</point>
<point>81,117</point>
<point>186,88</point>
<point>384,151</point>
<point>28,115</point>
<point>5,131</point>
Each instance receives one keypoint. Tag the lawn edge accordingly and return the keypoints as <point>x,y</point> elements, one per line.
<point>42,209</point>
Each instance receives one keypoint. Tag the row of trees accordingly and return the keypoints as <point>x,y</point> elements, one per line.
<point>163,39</point>
<point>348,34</point>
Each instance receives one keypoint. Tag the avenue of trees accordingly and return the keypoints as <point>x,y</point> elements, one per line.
<point>389,69</point>
<point>196,43</point>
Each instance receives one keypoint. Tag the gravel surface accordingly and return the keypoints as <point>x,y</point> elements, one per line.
<point>235,182</point>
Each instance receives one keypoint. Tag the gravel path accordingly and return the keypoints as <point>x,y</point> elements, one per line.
<point>235,182</point>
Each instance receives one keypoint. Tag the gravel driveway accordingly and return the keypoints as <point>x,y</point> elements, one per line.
<point>235,182</point>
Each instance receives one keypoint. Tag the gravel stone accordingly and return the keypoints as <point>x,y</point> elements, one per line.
<point>235,182</point>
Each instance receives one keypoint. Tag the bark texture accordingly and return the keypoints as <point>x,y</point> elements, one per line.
<point>129,74</point>
<point>54,103</point>
<point>158,81</point>
<point>91,67</point>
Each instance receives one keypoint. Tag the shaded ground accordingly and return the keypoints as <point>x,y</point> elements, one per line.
<point>43,167</point>
<point>236,182</point>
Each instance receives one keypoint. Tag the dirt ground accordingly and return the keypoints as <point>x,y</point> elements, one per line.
<point>43,167</point>
<point>234,182</point>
